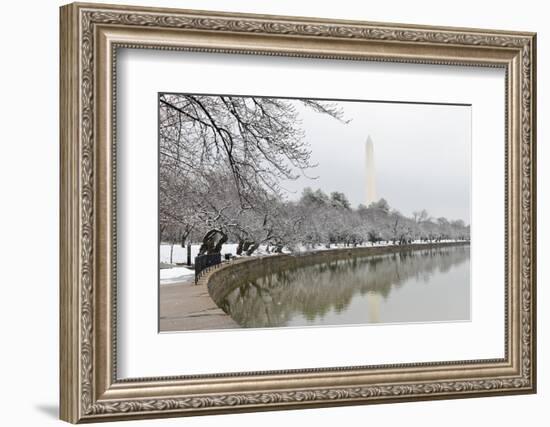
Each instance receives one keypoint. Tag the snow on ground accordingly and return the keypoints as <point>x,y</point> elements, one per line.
<point>176,274</point>
<point>179,255</point>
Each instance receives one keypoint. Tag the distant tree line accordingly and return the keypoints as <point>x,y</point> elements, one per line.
<point>316,219</point>
<point>222,160</point>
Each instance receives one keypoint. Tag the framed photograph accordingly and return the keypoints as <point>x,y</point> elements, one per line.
<point>266,212</point>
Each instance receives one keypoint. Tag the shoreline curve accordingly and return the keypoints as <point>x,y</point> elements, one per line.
<point>223,278</point>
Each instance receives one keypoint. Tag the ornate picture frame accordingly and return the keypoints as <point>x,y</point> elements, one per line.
<point>90,37</point>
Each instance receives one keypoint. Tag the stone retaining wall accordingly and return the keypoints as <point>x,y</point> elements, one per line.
<point>227,276</point>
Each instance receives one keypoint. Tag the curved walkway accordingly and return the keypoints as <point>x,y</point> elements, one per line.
<point>185,306</point>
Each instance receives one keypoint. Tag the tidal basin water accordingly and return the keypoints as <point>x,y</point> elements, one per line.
<point>430,285</point>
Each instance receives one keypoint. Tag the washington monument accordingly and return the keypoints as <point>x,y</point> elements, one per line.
<point>371,173</point>
<point>373,297</point>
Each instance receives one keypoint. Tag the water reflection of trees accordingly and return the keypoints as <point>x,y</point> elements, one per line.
<point>315,290</point>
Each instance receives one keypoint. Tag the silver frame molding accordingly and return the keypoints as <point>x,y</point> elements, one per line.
<point>90,36</point>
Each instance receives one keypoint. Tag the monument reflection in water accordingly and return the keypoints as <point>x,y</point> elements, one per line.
<point>412,286</point>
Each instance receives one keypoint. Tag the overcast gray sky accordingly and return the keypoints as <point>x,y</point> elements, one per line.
<point>422,155</point>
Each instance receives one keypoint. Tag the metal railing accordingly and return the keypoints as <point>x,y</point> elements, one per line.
<point>204,262</point>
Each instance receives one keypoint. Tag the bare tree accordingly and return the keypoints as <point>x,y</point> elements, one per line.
<point>257,139</point>
<point>252,142</point>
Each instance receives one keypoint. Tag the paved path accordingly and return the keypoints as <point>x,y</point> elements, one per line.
<point>185,306</point>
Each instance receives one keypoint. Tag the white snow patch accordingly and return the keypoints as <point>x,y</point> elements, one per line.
<point>179,255</point>
<point>176,274</point>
